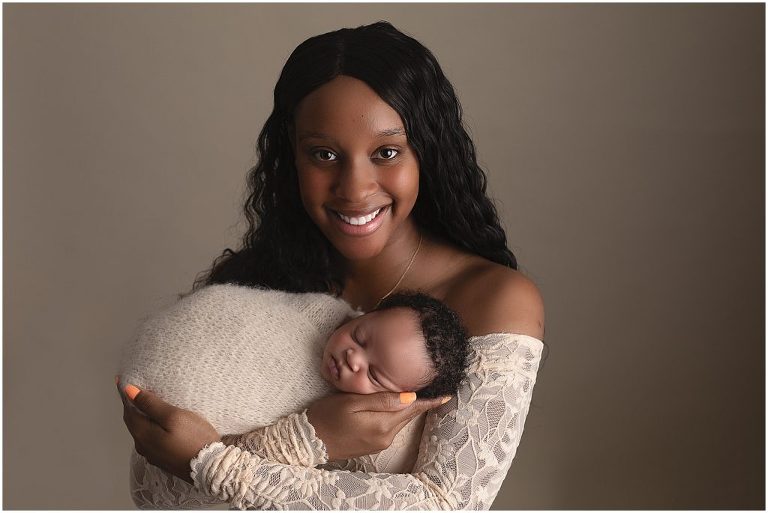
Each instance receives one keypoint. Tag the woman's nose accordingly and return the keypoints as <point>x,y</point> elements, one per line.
<point>355,359</point>
<point>356,180</point>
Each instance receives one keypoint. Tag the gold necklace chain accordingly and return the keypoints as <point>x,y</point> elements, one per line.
<point>413,257</point>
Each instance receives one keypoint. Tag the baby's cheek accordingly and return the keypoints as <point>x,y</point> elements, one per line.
<point>360,385</point>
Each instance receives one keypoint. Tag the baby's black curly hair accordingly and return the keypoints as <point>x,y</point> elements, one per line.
<point>445,337</point>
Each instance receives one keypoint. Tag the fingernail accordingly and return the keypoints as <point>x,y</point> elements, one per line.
<point>132,391</point>
<point>407,397</point>
<point>446,399</point>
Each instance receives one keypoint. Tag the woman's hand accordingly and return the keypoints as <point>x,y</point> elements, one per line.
<point>167,436</point>
<point>353,425</point>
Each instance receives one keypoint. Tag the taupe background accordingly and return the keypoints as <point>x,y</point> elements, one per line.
<point>623,143</point>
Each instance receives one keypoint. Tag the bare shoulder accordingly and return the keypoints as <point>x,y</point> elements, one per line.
<point>492,298</point>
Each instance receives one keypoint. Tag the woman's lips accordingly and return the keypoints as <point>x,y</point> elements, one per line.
<point>362,229</point>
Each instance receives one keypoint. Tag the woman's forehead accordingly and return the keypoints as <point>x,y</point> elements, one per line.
<point>346,105</point>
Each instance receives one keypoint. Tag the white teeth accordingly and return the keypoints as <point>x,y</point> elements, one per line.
<point>357,221</point>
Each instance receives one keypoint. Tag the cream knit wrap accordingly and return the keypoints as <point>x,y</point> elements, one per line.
<point>241,357</point>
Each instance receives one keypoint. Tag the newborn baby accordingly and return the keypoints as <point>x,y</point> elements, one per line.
<point>245,357</point>
<point>410,343</point>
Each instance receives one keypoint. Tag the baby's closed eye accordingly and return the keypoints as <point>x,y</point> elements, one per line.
<point>372,377</point>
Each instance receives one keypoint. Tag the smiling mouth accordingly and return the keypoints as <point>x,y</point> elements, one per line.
<point>361,220</point>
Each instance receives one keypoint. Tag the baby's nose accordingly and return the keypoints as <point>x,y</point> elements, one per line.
<point>355,359</point>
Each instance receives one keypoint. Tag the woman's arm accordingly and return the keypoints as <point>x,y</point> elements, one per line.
<point>167,437</point>
<point>466,450</point>
<point>291,440</point>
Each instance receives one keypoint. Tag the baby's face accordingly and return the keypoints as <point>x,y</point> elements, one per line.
<point>380,351</point>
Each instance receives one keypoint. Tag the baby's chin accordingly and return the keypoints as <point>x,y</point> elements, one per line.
<point>341,386</point>
<point>325,373</point>
<point>344,387</point>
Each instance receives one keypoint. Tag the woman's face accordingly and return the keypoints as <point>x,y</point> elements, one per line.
<point>358,176</point>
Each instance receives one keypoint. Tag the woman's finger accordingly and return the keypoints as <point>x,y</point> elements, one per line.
<point>397,402</point>
<point>127,406</point>
<point>403,417</point>
<point>146,434</point>
<point>121,394</point>
<point>139,425</point>
<point>385,401</point>
<point>154,407</point>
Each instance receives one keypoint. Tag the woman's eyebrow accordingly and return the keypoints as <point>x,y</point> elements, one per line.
<point>316,135</point>
<point>388,132</point>
<point>391,131</point>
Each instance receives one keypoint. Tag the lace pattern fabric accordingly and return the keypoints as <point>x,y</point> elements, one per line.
<point>466,449</point>
<point>291,440</point>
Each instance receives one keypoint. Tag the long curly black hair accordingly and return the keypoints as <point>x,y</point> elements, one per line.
<point>282,248</point>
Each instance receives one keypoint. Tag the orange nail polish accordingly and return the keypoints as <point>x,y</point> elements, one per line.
<point>446,399</point>
<point>132,391</point>
<point>407,397</point>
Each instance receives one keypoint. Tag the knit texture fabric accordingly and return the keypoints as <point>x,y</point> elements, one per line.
<point>241,357</point>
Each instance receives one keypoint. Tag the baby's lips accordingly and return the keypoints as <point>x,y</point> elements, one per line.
<point>334,370</point>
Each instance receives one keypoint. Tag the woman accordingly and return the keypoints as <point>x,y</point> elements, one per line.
<point>368,183</point>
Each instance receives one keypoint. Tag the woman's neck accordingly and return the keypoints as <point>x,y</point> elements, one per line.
<point>367,281</point>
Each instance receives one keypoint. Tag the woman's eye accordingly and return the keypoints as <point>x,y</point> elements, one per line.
<point>324,155</point>
<point>388,153</point>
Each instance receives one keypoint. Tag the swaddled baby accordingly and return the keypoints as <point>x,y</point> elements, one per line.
<point>411,342</point>
<point>243,357</point>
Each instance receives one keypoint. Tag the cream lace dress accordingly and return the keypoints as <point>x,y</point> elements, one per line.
<point>453,457</point>
<point>465,451</point>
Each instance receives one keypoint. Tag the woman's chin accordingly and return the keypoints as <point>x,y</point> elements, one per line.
<point>361,256</point>
<point>357,249</point>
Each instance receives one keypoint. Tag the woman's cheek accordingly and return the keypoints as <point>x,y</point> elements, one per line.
<point>404,184</point>
<point>311,190</point>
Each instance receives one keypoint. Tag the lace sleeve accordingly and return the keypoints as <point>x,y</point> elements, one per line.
<point>465,452</point>
<point>291,440</point>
